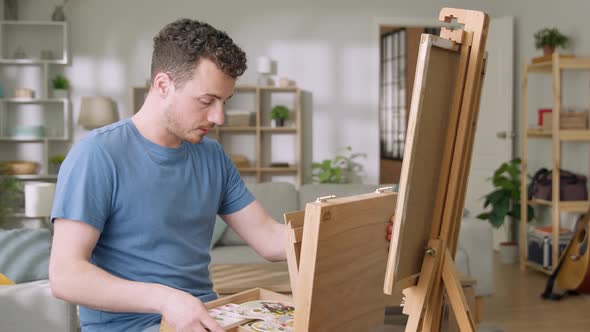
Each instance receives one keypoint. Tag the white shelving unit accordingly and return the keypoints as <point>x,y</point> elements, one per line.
<point>43,46</point>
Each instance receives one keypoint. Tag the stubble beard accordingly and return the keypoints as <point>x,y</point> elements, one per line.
<point>173,126</point>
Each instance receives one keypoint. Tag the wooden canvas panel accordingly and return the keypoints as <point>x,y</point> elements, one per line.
<point>343,259</point>
<point>424,176</point>
<point>294,221</point>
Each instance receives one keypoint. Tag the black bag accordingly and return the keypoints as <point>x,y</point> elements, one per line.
<point>572,187</point>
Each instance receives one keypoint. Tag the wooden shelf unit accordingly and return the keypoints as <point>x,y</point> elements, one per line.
<point>555,67</point>
<point>261,129</point>
<point>258,130</point>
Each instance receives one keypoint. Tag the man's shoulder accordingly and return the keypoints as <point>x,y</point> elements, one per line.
<point>113,136</point>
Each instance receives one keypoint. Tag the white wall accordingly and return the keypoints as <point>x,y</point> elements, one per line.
<point>328,47</point>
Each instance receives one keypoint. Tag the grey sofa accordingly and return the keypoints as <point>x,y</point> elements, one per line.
<point>474,254</point>
<point>29,305</point>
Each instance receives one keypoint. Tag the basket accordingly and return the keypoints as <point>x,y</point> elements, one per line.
<point>567,120</point>
<point>20,167</point>
<point>239,118</point>
<point>240,160</point>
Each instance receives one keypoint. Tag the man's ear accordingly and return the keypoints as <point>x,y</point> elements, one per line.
<point>163,85</point>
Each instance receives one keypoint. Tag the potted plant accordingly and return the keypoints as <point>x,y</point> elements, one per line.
<point>341,169</point>
<point>55,163</point>
<point>279,114</point>
<point>61,85</point>
<point>505,204</point>
<point>11,195</point>
<point>549,39</point>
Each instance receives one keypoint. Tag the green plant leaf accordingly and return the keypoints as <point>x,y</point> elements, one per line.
<point>484,216</point>
<point>501,170</point>
<point>505,183</point>
<point>496,196</point>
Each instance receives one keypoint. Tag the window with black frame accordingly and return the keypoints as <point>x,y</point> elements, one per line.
<point>392,104</point>
<point>393,95</point>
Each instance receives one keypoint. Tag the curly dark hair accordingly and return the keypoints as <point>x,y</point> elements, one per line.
<point>180,45</point>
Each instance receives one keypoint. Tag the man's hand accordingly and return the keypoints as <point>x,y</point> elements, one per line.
<point>389,229</point>
<point>187,313</point>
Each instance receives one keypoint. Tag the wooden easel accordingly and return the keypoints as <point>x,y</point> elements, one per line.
<point>336,260</point>
<point>441,131</point>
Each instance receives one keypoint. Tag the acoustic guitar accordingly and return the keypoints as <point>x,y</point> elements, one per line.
<point>575,270</point>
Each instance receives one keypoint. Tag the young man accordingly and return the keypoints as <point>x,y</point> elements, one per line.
<point>136,201</point>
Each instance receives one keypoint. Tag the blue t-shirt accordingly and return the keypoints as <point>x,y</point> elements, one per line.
<point>155,208</point>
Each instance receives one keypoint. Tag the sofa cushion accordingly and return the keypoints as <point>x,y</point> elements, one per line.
<point>239,254</point>
<point>277,198</point>
<point>30,306</point>
<point>25,254</point>
<point>218,231</point>
<point>309,192</point>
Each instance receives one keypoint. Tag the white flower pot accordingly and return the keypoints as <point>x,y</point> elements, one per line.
<point>60,93</point>
<point>509,252</point>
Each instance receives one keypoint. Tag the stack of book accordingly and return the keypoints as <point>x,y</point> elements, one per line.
<point>540,244</point>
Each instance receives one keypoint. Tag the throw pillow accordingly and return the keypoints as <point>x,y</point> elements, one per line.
<point>25,253</point>
<point>5,281</point>
<point>218,230</point>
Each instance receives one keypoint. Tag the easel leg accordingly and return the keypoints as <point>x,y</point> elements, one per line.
<point>433,316</point>
<point>416,297</point>
<point>456,296</point>
<point>437,270</point>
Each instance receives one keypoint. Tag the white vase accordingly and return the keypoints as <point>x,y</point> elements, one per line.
<point>508,252</point>
<point>502,233</point>
<point>60,93</point>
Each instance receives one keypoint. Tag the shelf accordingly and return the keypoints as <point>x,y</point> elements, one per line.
<point>539,267</point>
<point>566,135</point>
<point>32,139</point>
<point>565,206</point>
<point>25,22</point>
<point>33,176</point>
<point>278,169</point>
<point>33,62</point>
<point>33,100</point>
<point>23,216</point>
<point>539,133</point>
<point>574,135</point>
<point>247,169</point>
<point>238,128</point>
<point>279,129</point>
<point>565,63</point>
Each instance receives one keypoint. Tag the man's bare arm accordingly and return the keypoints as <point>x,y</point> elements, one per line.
<point>74,279</point>
<point>265,235</point>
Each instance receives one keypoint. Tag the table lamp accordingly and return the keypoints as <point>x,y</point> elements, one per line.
<point>264,69</point>
<point>96,112</point>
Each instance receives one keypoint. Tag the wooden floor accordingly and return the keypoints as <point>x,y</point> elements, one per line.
<point>517,306</point>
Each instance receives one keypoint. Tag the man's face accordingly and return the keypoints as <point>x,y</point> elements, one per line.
<point>197,106</point>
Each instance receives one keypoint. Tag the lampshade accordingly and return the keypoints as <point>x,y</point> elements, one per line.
<point>97,112</point>
<point>264,65</point>
<point>39,198</point>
